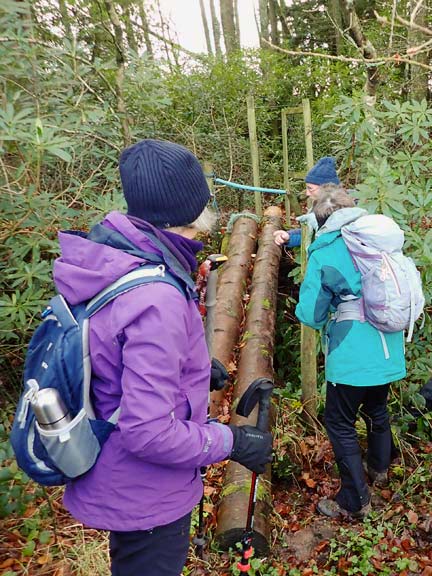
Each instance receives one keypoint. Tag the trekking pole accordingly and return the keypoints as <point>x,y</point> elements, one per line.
<point>258,392</point>
<point>207,286</point>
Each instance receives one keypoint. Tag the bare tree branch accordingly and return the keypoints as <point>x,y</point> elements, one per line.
<point>416,11</point>
<point>206,27</point>
<point>392,24</point>
<point>412,25</point>
<point>417,49</point>
<point>395,59</point>
<point>365,46</point>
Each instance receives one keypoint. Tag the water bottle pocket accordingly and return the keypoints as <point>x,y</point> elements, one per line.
<point>74,448</point>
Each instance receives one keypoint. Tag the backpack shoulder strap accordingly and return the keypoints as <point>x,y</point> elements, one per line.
<point>142,275</point>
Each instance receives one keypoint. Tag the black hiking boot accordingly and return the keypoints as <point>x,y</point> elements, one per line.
<point>378,479</point>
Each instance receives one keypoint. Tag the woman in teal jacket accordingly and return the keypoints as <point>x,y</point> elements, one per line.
<point>361,362</point>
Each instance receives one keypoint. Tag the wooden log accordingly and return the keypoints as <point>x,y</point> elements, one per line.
<point>256,360</point>
<point>229,311</point>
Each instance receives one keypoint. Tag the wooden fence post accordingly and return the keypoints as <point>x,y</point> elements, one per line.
<point>254,152</point>
<point>208,171</point>
<point>285,165</point>
<point>307,119</point>
<point>308,335</point>
<point>291,201</point>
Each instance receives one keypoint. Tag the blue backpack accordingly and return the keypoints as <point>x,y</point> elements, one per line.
<point>58,357</point>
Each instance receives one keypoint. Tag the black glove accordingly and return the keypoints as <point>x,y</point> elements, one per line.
<point>251,447</point>
<point>218,376</point>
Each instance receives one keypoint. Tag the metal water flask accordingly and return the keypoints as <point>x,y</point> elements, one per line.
<point>50,410</point>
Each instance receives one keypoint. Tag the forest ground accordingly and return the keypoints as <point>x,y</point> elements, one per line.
<point>44,540</point>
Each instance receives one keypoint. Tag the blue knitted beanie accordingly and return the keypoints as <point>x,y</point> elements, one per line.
<point>163,183</point>
<point>324,172</point>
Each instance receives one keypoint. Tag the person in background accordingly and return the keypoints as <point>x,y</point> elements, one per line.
<point>324,172</point>
<point>357,371</point>
<point>149,357</point>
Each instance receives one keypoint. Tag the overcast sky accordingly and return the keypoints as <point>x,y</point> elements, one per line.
<point>185,17</point>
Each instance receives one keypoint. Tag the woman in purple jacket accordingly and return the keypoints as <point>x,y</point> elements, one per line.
<point>149,357</point>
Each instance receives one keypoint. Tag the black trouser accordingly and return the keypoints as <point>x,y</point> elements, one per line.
<point>343,404</point>
<point>158,552</point>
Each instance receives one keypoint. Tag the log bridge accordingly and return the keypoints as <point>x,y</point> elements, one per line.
<point>255,359</point>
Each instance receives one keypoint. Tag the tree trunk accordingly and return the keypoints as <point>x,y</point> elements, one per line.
<point>206,28</point>
<point>237,22</point>
<point>228,25</point>
<point>336,19</point>
<point>65,18</point>
<point>230,307</point>
<point>352,23</point>
<point>120,59</point>
<point>263,21</point>
<point>164,39</point>
<point>145,28</point>
<point>274,32</point>
<point>216,29</point>
<point>419,78</point>
<point>130,34</point>
<point>256,360</point>
<point>282,12</point>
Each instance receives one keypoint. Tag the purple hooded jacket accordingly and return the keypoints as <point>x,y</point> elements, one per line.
<point>149,356</point>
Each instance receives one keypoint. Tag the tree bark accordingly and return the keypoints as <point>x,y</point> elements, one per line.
<point>206,28</point>
<point>336,19</point>
<point>216,29</point>
<point>352,23</point>
<point>228,25</point>
<point>229,311</point>
<point>163,37</point>
<point>145,28</point>
<point>274,32</point>
<point>263,21</point>
<point>256,360</point>
<point>419,78</point>
<point>281,12</point>
<point>120,59</point>
<point>130,33</point>
<point>237,22</point>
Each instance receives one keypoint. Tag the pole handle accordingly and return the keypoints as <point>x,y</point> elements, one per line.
<point>264,410</point>
<point>259,392</point>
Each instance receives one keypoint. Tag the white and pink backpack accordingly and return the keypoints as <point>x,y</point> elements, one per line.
<point>392,296</point>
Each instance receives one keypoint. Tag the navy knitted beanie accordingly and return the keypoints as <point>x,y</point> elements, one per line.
<point>163,183</point>
<point>324,172</point>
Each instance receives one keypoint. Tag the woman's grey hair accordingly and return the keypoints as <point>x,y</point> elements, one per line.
<point>331,197</point>
<point>205,222</point>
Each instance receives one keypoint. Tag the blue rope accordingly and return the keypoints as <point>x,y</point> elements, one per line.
<point>249,188</point>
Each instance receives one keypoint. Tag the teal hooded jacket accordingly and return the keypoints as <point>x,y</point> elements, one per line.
<point>354,349</point>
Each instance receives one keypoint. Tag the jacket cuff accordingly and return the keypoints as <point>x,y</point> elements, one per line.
<point>294,238</point>
<point>228,437</point>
